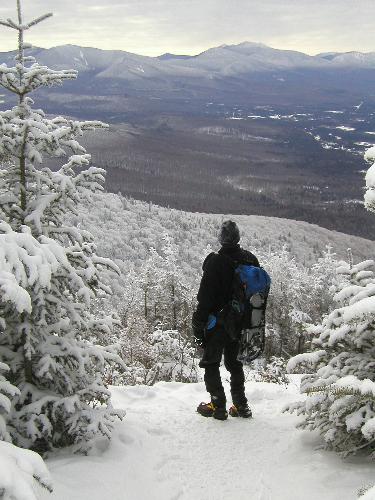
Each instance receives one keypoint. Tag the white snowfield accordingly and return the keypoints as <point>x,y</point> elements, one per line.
<point>164,450</point>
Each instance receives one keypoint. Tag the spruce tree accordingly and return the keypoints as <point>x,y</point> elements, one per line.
<point>62,398</point>
<point>21,260</point>
<point>341,368</point>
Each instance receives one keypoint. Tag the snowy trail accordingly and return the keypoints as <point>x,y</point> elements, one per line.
<point>163,450</point>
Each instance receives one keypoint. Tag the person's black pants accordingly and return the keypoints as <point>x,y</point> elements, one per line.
<point>218,342</point>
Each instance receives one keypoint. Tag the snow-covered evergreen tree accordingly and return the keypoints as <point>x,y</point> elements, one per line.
<point>149,282</point>
<point>291,286</point>
<point>172,290</point>
<point>155,338</point>
<point>299,295</point>
<point>153,355</point>
<point>167,296</point>
<point>49,268</point>
<point>370,180</point>
<point>341,389</point>
<point>19,469</point>
<point>341,401</point>
<point>326,279</point>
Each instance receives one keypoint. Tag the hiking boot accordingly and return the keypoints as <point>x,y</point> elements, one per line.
<point>243,411</point>
<point>211,410</point>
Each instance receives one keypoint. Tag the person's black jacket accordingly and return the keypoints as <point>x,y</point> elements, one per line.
<point>216,284</point>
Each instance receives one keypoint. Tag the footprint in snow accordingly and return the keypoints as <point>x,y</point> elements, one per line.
<point>158,431</point>
<point>125,439</point>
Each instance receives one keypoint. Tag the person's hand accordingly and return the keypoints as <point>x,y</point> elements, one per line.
<point>199,337</point>
<point>198,331</point>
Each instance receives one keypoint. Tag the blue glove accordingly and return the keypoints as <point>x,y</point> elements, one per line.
<point>211,322</point>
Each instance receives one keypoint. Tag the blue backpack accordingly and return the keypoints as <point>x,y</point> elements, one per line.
<point>252,279</point>
<point>243,317</point>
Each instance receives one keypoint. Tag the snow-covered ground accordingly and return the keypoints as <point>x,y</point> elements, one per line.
<point>164,450</point>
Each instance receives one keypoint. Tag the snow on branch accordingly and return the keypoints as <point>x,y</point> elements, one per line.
<point>32,77</point>
<point>347,386</point>
<point>13,25</point>
<point>12,292</point>
<point>23,262</point>
<point>43,136</point>
<point>38,20</point>
<point>365,306</point>
<point>305,359</point>
<point>7,391</point>
<point>341,382</point>
<point>7,24</point>
<point>19,469</point>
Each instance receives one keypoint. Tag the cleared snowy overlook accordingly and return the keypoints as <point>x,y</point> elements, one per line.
<point>163,450</point>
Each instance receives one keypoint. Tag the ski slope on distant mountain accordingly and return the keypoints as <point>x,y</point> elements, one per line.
<point>164,450</point>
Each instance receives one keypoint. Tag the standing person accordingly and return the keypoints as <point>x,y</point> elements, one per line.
<point>214,293</point>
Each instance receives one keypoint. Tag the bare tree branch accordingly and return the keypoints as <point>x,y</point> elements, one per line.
<point>12,24</point>
<point>5,23</point>
<point>38,20</point>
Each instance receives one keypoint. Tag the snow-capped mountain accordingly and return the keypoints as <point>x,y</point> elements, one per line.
<point>250,57</point>
<point>355,59</point>
<point>232,73</point>
<point>223,60</point>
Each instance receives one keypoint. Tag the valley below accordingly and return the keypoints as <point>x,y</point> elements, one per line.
<point>301,166</point>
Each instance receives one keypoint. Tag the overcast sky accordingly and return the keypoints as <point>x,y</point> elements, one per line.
<point>152,27</point>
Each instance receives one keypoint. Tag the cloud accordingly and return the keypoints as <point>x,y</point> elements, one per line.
<point>189,26</point>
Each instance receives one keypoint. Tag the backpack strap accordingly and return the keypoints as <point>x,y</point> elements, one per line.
<point>233,263</point>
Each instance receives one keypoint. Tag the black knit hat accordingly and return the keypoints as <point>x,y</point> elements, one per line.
<point>229,234</point>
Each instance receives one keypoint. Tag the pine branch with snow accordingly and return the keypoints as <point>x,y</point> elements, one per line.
<point>7,392</point>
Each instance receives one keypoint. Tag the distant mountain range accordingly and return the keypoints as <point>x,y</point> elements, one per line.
<point>247,72</point>
<point>226,60</point>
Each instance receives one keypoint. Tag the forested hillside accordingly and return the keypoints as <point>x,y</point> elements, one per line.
<point>160,252</point>
<point>125,230</point>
